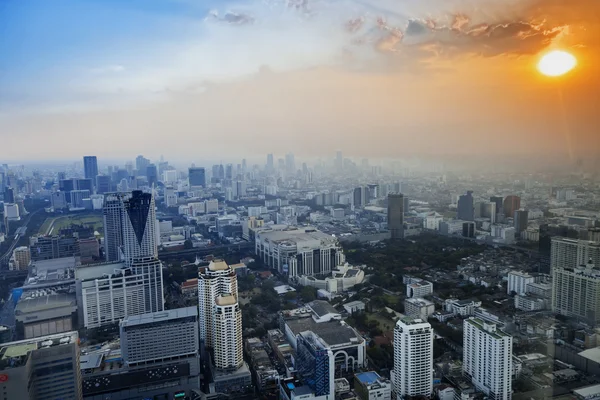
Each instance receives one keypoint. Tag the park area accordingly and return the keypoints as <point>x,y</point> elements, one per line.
<point>53,225</point>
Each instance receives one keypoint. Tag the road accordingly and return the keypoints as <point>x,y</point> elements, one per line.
<point>21,231</point>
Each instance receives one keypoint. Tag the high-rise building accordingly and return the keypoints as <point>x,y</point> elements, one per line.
<point>20,259</point>
<point>46,367</point>
<point>197,177</point>
<point>9,195</point>
<point>573,253</point>
<point>113,211</point>
<point>270,163</point>
<point>139,227</point>
<point>395,215</point>
<point>216,279</point>
<point>518,281</point>
<point>155,337</point>
<point>141,163</point>
<point>489,210</point>
<point>78,197</point>
<point>315,364</point>
<point>53,247</point>
<point>521,220</point>
<point>413,358</point>
<point>90,167</point>
<point>229,171</point>
<point>103,184</point>
<point>487,358</point>
<point>576,292</point>
<point>152,174</point>
<point>465,210</point>
<point>227,333</point>
<point>290,163</point>
<point>511,204</point>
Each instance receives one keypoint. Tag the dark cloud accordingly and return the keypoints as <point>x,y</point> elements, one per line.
<point>416,28</point>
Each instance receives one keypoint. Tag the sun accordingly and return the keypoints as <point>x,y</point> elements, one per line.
<point>556,63</point>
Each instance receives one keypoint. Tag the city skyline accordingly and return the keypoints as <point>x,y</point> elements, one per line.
<point>349,76</point>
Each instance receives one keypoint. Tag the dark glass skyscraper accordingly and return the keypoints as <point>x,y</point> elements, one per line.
<point>197,177</point>
<point>152,174</point>
<point>466,212</point>
<point>521,220</point>
<point>395,217</point>
<point>90,168</point>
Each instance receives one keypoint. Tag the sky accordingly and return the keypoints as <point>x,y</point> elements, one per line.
<point>194,79</point>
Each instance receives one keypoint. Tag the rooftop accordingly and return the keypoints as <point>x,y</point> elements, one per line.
<point>15,354</point>
<point>225,300</point>
<point>334,333</point>
<point>489,328</point>
<point>218,265</point>
<point>322,308</point>
<point>367,377</point>
<point>166,315</point>
<point>588,391</point>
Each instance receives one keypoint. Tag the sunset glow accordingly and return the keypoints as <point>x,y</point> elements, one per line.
<point>556,63</point>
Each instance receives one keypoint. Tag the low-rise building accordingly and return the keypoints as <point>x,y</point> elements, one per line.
<point>418,288</point>
<point>418,308</point>
<point>370,386</point>
<point>354,306</point>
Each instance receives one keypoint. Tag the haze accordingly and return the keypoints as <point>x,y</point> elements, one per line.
<point>374,78</point>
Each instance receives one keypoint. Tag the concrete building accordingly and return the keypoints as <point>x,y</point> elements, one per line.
<point>572,253</point>
<point>156,337</point>
<point>576,292</point>
<point>41,368</point>
<point>465,210</point>
<point>227,333</point>
<point>139,227</point>
<point>113,211</point>
<point>521,219</point>
<point>58,200</point>
<point>518,282</point>
<point>370,386</point>
<point>315,364</point>
<point>342,279</point>
<point>52,247</point>
<point>20,260</point>
<point>197,177</point>
<point>395,215</point>
<point>511,204</point>
<point>418,308</point>
<point>45,312</point>
<point>487,358</point>
<point>296,251</point>
<point>464,308</point>
<point>90,167</point>
<point>215,280</point>
<point>418,288</point>
<point>530,303</point>
<point>413,358</point>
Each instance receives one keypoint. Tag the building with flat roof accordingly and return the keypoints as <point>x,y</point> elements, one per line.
<point>296,251</point>
<point>413,358</point>
<point>418,288</point>
<point>20,260</point>
<point>418,308</point>
<point>159,336</point>
<point>41,368</point>
<point>45,312</point>
<point>370,386</point>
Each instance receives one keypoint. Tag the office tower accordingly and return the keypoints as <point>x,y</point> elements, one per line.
<point>520,221</point>
<point>357,197</point>
<point>270,163</point>
<point>227,333</point>
<point>152,175</point>
<point>20,259</point>
<point>139,227</point>
<point>315,363</point>
<point>572,253</point>
<point>413,358</point>
<point>9,195</point>
<point>90,167</point>
<point>197,177</point>
<point>468,229</point>
<point>46,367</point>
<point>229,171</point>
<point>103,184</point>
<point>576,292</point>
<point>489,210</point>
<point>216,279</point>
<point>78,197</point>
<point>465,210</point>
<point>395,217</point>
<point>499,201</point>
<point>52,247</point>
<point>511,204</point>
<point>113,211</point>
<point>141,163</point>
<point>156,337</point>
<point>487,358</point>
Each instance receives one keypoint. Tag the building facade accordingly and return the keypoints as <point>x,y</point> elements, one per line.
<point>113,211</point>
<point>395,215</point>
<point>487,358</point>
<point>413,358</point>
<point>227,333</point>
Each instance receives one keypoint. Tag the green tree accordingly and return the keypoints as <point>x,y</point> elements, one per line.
<point>308,294</point>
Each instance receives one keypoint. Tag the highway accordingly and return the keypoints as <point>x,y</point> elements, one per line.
<point>21,231</point>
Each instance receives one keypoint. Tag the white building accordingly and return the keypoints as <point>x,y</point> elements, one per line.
<point>11,212</point>
<point>576,292</point>
<point>503,234</point>
<point>227,333</point>
<point>487,358</point>
<point>170,176</point>
<point>154,337</point>
<point>518,281</point>
<point>413,358</point>
<point>296,251</point>
<point>571,253</point>
<point>432,220</point>
<point>418,288</point>
<point>370,386</point>
<point>464,308</point>
<point>216,279</point>
<point>354,306</point>
<point>529,303</point>
<point>58,200</point>
<point>170,196</point>
<point>342,279</point>
<point>418,308</point>
<point>257,211</point>
<point>543,290</point>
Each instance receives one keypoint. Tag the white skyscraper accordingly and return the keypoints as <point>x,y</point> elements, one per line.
<point>487,353</point>
<point>413,358</point>
<point>571,253</point>
<point>113,210</point>
<point>227,333</point>
<point>217,279</point>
